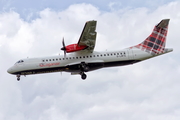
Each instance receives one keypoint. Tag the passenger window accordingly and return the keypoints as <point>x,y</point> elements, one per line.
<point>59,58</point>
<point>97,55</point>
<point>104,54</point>
<point>49,59</point>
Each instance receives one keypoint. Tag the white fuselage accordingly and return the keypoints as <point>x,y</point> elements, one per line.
<point>79,62</point>
<point>59,63</point>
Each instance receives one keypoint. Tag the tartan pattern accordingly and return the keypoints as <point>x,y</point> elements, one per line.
<point>155,43</point>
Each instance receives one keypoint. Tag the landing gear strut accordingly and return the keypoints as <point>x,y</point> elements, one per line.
<point>84,67</point>
<point>18,77</point>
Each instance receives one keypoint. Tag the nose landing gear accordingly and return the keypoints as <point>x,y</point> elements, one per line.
<point>83,75</point>
<point>18,77</point>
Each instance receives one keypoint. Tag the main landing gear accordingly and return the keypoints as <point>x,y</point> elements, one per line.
<point>84,68</point>
<point>18,77</point>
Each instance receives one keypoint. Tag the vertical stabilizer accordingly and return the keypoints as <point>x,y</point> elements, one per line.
<point>155,43</point>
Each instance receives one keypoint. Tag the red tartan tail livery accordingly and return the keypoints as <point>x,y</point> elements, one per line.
<point>155,43</point>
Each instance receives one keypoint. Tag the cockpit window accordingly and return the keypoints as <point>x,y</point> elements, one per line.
<point>20,61</point>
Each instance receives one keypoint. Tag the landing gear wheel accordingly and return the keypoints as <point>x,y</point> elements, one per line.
<point>18,77</point>
<point>83,76</point>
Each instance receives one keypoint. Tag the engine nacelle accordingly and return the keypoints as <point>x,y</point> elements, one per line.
<point>74,48</point>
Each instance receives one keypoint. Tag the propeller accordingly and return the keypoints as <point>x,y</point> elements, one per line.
<point>64,47</point>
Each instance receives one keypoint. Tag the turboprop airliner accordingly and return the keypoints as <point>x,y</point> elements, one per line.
<point>84,59</point>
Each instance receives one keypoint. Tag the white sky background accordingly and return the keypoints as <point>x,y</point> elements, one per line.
<point>144,91</point>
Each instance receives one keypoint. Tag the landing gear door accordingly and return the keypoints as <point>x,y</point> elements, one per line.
<point>130,54</point>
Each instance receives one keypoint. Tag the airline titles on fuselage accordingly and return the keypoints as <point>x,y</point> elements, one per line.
<point>48,64</point>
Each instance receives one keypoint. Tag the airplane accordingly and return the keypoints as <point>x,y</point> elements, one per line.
<point>84,59</point>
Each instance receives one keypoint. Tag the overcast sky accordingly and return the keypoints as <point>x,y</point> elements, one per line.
<point>148,90</point>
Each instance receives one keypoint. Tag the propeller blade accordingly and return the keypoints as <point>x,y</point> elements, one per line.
<point>64,54</point>
<point>63,43</point>
<point>64,47</point>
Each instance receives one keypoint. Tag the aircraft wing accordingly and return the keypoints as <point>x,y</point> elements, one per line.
<point>88,36</point>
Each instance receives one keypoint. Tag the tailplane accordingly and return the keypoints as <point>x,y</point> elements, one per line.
<point>155,43</point>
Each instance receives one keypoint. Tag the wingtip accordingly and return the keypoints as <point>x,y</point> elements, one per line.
<point>91,21</point>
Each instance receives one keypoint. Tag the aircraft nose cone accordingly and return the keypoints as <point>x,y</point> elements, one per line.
<point>9,70</point>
